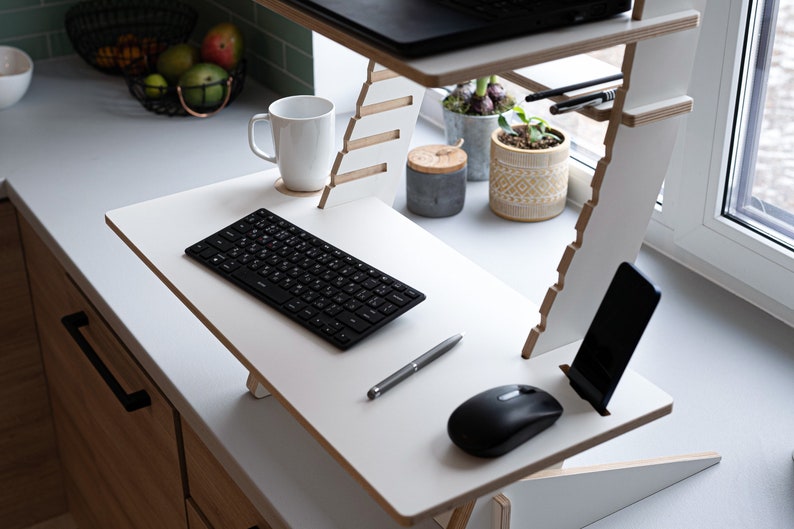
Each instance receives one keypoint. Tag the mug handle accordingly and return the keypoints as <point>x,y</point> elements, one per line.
<point>256,150</point>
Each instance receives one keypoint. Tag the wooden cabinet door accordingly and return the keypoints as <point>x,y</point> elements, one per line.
<point>213,492</point>
<point>31,488</point>
<point>195,518</point>
<point>116,432</point>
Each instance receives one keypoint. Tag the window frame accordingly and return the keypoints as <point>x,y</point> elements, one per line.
<point>740,204</point>
<point>690,227</point>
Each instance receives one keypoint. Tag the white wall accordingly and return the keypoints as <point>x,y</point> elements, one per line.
<point>338,73</point>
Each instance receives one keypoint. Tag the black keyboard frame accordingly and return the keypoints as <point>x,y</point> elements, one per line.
<point>326,290</point>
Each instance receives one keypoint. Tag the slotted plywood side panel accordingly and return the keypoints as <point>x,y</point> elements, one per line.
<point>376,142</point>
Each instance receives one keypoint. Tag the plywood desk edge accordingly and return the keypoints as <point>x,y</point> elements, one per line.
<point>496,58</point>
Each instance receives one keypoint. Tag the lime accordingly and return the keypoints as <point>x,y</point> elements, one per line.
<point>155,86</point>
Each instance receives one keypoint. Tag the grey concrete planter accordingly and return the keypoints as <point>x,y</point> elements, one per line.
<point>476,134</point>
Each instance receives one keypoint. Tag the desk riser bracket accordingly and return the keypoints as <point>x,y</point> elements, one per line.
<point>566,498</point>
<point>377,139</point>
<point>612,224</point>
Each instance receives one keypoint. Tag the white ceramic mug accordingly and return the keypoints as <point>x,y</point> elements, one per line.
<point>303,138</point>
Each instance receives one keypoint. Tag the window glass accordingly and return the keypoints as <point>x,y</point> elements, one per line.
<point>760,194</point>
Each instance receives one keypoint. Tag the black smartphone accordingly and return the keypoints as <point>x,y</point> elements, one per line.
<point>613,335</point>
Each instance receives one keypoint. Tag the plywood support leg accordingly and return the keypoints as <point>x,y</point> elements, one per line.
<point>460,516</point>
<point>563,498</point>
<point>255,387</point>
<point>545,499</point>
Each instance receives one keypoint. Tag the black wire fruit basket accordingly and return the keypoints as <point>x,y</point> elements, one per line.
<point>112,35</point>
<point>199,100</point>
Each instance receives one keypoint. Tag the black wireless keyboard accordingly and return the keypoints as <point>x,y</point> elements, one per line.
<point>317,285</point>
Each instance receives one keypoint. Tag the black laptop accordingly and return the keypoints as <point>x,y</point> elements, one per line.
<point>415,28</point>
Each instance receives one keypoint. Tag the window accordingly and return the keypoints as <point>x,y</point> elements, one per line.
<point>760,194</point>
<point>715,218</point>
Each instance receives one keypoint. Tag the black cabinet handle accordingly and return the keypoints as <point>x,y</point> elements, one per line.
<point>130,401</point>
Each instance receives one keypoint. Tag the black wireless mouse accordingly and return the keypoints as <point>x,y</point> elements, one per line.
<point>497,420</point>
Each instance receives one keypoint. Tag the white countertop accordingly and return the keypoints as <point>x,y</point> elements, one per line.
<point>79,145</point>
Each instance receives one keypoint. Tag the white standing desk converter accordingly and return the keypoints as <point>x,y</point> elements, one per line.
<point>395,446</point>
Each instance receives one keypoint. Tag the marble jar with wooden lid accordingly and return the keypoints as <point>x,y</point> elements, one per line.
<point>435,180</point>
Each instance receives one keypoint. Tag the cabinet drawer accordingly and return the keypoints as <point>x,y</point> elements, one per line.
<point>195,519</point>
<point>212,490</point>
<point>120,454</point>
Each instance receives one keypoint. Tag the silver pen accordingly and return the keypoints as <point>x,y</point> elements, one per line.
<point>589,100</point>
<point>400,375</point>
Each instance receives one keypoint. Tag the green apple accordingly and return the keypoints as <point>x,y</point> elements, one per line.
<point>155,86</point>
<point>204,85</point>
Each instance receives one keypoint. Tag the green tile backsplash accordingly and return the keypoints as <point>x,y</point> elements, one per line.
<point>279,52</point>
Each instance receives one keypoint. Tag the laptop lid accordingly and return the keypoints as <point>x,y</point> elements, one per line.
<point>415,28</point>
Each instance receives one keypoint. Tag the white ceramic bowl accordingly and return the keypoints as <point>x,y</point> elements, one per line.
<point>16,70</point>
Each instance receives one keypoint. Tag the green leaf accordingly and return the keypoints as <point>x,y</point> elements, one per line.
<point>505,126</point>
<point>521,113</point>
<point>542,123</point>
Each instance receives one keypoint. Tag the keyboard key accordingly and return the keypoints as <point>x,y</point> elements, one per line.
<point>262,285</point>
<point>357,323</point>
<point>294,305</point>
<point>333,310</point>
<point>343,337</point>
<point>230,234</point>
<point>398,299</point>
<point>370,315</point>
<point>230,266</point>
<point>217,259</point>
<point>370,284</point>
<point>219,243</point>
<point>388,309</point>
<point>307,313</point>
<point>198,248</point>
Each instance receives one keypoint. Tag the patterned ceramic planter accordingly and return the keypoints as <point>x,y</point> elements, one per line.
<point>528,185</point>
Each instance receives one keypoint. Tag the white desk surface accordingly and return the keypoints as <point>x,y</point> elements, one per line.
<point>395,446</point>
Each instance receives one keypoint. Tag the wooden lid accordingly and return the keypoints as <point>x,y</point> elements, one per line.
<point>437,159</point>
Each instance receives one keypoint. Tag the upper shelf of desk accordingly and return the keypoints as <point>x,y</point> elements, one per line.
<point>507,55</point>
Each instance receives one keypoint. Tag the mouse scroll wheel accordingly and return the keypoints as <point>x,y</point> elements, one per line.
<point>509,395</point>
<point>513,393</point>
